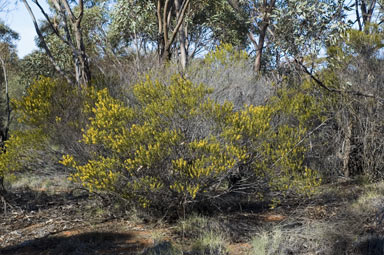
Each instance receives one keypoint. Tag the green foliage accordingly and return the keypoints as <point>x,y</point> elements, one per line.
<point>175,145</point>
<point>227,25</point>
<point>130,18</point>
<point>303,28</point>
<point>34,65</point>
<point>362,44</point>
<point>7,35</point>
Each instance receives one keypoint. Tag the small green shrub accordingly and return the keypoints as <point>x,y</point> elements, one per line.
<point>162,248</point>
<point>260,244</point>
<point>195,226</point>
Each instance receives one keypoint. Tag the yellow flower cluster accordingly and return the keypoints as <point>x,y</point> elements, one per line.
<point>225,54</point>
<point>44,101</point>
<point>98,174</point>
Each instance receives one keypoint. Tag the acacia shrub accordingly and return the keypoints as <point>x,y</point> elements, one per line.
<point>174,146</point>
<point>275,140</point>
<point>20,150</point>
<point>163,151</point>
<point>50,115</point>
<point>58,109</point>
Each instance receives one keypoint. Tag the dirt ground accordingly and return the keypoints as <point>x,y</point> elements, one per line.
<point>71,221</point>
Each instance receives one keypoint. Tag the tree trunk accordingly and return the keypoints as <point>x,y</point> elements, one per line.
<point>259,50</point>
<point>347,149</point>
<point>85,72</point>
<point>70,23</point>
<point>367,11</point>
<point>166,35</point>
<point>166,55</point>
<point>2,188</point>
<point>182,38</point>
<point>265,11</point>
<point>4,126</point>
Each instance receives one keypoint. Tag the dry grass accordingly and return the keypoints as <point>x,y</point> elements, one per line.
<point>342,219</point>
<point>371,201</point>
<point>210,243</point>
<point>38,182</point>
<point>204,235</point>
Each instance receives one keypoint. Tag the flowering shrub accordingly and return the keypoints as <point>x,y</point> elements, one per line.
<point>20,150</point>
<point>164,147</point>
<point>45,102</point>
<point>58,109</point>
<point>175,145</point>
<point>225,54</point>
<point>170,145</point>
<point>51,114</point>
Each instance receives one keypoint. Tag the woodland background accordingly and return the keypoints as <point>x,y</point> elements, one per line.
<point>179,109</point>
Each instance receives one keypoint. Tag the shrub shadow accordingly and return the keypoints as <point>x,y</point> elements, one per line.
<point>373,245</point>
<point>81,244</point>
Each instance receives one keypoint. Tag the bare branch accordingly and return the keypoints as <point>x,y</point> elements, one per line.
<point>322,85</point>
<point>43,43</point>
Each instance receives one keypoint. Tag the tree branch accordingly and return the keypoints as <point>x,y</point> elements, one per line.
<point>358,15</point>
<point>322,85</point>
<point>68,40</point>
<point>45,46</point>
<point>180,21</point>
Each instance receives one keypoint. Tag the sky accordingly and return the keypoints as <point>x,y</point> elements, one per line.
<point>18,19</point>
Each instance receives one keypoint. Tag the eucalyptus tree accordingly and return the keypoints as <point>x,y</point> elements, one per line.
<point>295,27</point>
<point>66,25</point>
<point>168,26</point>
<point>133,29</point>
<point>303,28</point>
<point>166,16</point>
